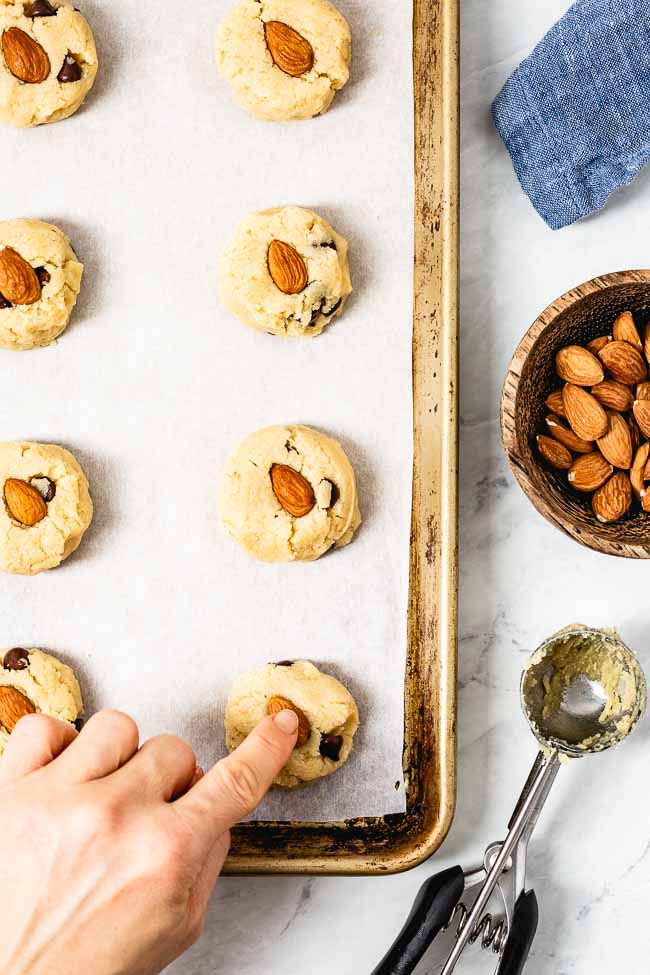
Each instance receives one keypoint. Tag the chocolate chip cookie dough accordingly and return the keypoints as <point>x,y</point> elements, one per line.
<point>40,278</point>
<point>48,61</point>
<point>327,716</point>
<point>35,682</point>
<point>46,506</point>
<point>289,494</point>
<point>285,59</point>
<point>285,272</point>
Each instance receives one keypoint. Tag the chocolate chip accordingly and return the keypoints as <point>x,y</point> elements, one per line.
<point>41,8</point>
<point>42,275</point>
<point>316,312</point>
<point>330,311</point>
<point>16,659</point>
<point>329,243</point>
<point>70,70</point>
<point>319,311</point>
<point>4,302</point>
<point>284,663</point>
<point>335,495</point>
<point>45,487</point>
<point>330,746</point>
<point>79,723</point>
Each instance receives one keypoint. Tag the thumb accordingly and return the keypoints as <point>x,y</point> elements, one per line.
<point>236,784</point>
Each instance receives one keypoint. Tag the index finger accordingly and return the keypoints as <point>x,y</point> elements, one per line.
<point>36,741</point>
<point>236,784</point>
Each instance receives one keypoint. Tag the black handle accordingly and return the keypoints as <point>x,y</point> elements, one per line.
<point>431,911</point>
<point>521,934</point>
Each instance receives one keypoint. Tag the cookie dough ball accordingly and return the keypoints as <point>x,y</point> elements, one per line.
<point>286,272</point>
<point>45,507</point>
<point>289,494</point>
<point>32,681</point>
<point>48,61</point>
<point>327,712</point>
<point>285,59</point>
<point>40,278</point>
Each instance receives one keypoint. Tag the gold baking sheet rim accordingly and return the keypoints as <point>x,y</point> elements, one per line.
<point>398,842</point>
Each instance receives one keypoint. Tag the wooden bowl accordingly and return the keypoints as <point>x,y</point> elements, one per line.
<point>577,317</point>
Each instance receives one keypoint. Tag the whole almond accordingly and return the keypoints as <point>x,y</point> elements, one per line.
<point>637,482</point>
<point>555,453</point>
<point>625,330</point>
<point>555,402</point>
<point>637,473</point>
<point>577,365</point>
<point>646,472</point>
<point>566,436</point>
<point>613,395</point>
<point>13,706</point>
<point>24,57</point>
<point>616,445</point>
<point>642,391</point>
<point>645,501</point>
<point>276,704</point>
<point>642,416</point>
<point>291,52</point>
<point>623,362</point>
<point>613,499</point>
<point>589,471</point>
<point>287,268</point>
<point>586,416</point>
<point>24,502</point>
<point>597,344</point>
<point>635,433</point>
<point>18,280</point>
<point>293,491</point>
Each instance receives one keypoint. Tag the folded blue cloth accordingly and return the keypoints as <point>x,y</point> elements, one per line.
<point>575,115</point>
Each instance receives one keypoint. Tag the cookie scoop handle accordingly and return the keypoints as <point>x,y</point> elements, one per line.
<point>520,935</point>
<point>431,912</point>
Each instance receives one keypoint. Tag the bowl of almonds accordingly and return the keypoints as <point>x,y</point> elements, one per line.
<point>575,413</point>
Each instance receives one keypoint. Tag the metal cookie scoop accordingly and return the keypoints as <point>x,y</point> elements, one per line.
<point>582,691</point>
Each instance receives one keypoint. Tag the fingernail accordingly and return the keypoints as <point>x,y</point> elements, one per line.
<point>287,721</point>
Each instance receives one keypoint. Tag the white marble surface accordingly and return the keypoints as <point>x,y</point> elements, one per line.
<point>520,580</point>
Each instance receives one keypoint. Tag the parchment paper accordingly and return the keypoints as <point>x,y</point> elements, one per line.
<point>154,383</point>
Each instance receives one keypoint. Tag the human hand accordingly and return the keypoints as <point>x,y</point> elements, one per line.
<point>109,852</point>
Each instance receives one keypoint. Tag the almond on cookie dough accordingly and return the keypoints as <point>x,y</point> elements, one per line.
<point>327,716</point>
<point>48,61</point>
<point>285,272</point>
<point>289,494</point>
<point>285,59</point>
<point>40,278</point>
<point>45,506</point>
<point>31,682</point>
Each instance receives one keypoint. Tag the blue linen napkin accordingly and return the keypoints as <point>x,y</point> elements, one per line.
<point>575,115</point>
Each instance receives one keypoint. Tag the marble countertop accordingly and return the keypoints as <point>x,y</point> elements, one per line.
<point>520,580</point>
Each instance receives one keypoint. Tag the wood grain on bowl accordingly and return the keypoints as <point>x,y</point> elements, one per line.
<point>591,316</point>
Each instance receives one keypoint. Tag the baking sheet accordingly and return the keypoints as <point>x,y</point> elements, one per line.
<point>154,383</point>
